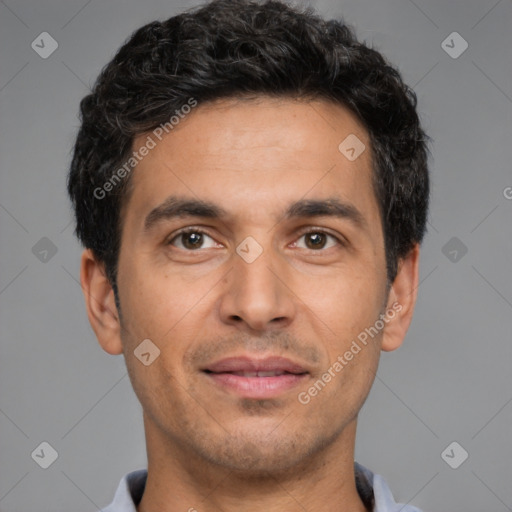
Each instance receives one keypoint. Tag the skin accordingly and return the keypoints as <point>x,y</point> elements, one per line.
<point>210,449</point>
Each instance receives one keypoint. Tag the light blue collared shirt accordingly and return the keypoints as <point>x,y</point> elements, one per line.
<point>131,487</point>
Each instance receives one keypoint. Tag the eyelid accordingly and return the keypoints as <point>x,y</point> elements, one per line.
<point>317,229</point>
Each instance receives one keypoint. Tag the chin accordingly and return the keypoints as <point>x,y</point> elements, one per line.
<point>263,455</point>
<point>254,461</point>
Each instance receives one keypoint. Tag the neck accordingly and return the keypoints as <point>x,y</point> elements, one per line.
<point>180,480</point>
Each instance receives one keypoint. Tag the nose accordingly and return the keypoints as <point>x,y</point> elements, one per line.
<point>257,296</point>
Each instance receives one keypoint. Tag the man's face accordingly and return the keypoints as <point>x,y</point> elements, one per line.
<point>252,284</point>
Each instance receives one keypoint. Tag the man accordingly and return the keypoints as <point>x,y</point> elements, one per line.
<point>250,185</point>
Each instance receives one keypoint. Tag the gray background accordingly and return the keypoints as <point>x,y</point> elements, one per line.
<point>451,380</point>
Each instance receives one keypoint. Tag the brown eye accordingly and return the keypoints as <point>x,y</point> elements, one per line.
<point>317,240</point>
<point>191,240</point>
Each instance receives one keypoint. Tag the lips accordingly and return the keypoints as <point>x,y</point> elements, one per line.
<point>273,373</point>
<point>248,364</point>
<point>256,378</point>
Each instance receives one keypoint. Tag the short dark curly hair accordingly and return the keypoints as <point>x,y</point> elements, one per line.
<point>231,49</point>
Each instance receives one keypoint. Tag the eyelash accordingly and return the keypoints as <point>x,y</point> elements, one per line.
<point>307,231</point>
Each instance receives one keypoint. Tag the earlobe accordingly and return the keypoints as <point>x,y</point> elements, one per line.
<point>100,303</point>
<point>401,301</point>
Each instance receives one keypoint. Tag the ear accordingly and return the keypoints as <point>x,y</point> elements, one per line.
<point>100,303</point>
<point>401,300</point>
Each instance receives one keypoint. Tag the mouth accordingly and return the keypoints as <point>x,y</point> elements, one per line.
<point>256,378</point>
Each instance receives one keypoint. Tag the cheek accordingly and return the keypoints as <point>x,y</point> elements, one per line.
<point>153,304</point>
<point>354,335</point>
<point>346,302</point>
<point>160,390</point>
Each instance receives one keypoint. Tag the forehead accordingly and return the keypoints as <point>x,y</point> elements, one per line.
<point>253,154</point>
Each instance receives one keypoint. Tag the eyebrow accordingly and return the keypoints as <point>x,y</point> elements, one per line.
<point>179,207</point>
